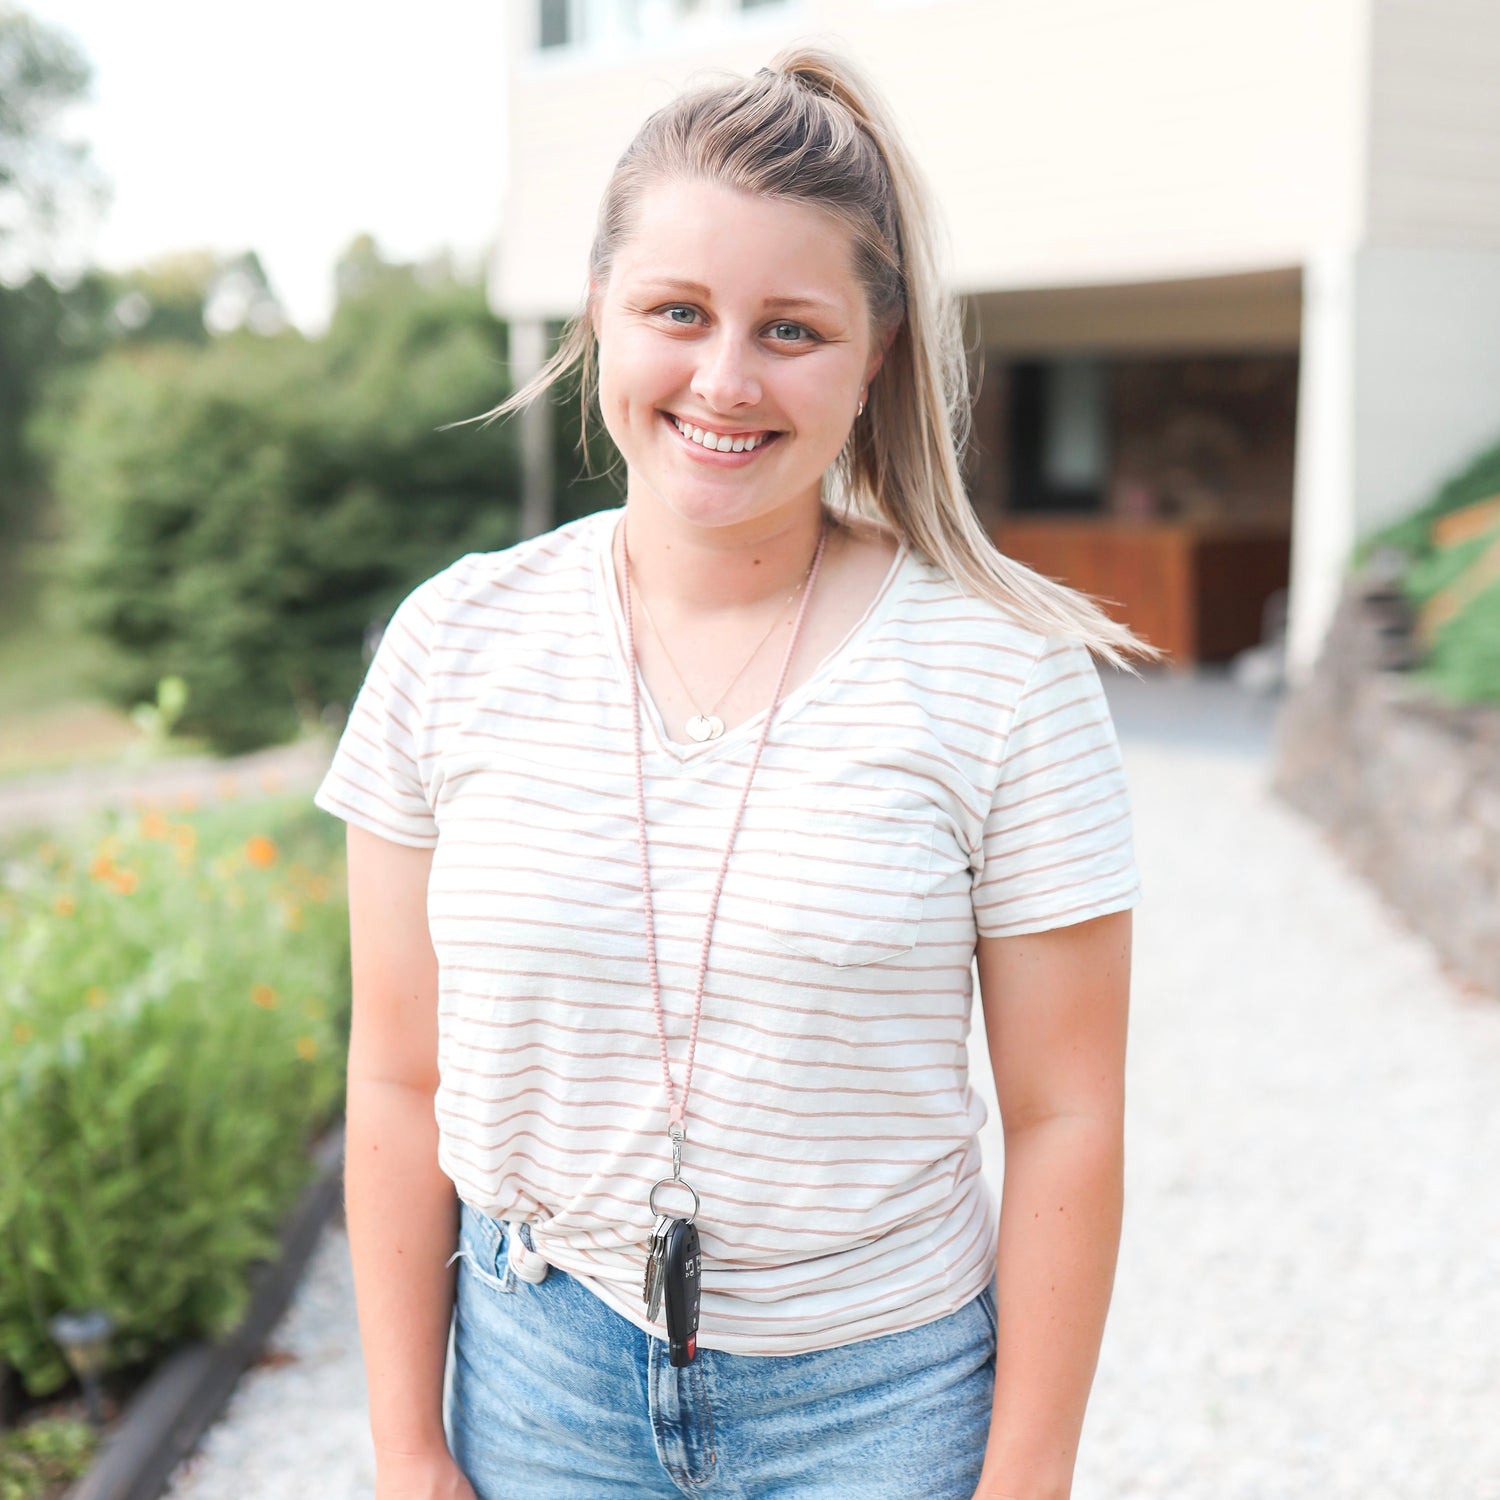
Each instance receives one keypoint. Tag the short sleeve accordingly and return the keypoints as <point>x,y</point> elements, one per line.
<point>1057,845</point>
<point>375,780</point>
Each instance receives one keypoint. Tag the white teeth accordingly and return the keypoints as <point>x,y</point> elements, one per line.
<point>718,442</point>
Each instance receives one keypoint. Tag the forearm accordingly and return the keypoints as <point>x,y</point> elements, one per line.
<point>1059,1238</point>
<point>403,1217</point>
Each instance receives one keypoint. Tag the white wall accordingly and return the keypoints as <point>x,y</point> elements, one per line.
<point>1401,329</point>
<point>1069,142</point>
<point>1435,124</point>
<point>1400,388</point>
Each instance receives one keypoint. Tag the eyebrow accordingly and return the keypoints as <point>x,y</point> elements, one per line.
<point>697,289</point>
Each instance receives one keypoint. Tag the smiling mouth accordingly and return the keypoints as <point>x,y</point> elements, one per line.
<point>722,442</point>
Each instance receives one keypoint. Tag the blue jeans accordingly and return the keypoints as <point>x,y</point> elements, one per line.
<point>554,1395</point>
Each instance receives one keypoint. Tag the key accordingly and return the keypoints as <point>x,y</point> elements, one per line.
<point>652,1290</point>
<point>681,1272</point>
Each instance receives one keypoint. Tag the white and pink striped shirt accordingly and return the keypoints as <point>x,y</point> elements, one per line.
<point>944,773</point>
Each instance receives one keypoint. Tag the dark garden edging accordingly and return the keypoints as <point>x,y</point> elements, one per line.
<point>167,1416</point>
<point>1406,785</point>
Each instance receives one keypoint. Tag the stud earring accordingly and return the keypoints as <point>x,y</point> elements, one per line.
<point>859,410</point>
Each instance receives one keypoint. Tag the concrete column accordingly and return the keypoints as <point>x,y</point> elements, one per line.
<point>1323,474</point>
<point>529,348</point>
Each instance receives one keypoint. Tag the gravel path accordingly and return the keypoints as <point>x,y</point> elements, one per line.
<point>1308,1298</point>
<point>56,798</point>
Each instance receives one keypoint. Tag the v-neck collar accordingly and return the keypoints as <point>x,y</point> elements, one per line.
<point>611,613</point>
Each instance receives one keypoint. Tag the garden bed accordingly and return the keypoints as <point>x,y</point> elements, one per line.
<point>1406,783</point>
<point>174,1002</point>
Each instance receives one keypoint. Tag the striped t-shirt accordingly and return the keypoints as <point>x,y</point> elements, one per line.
<point>944,772</point>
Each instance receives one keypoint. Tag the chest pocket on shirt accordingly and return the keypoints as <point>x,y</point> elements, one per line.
<point>851,878</point>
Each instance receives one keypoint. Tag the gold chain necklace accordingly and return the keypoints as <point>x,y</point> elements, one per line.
<point>709,726</point>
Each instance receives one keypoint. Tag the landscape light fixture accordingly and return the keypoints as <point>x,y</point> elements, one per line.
<point>84,1338</point>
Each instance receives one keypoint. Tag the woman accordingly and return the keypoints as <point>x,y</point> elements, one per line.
<point>674,835</point>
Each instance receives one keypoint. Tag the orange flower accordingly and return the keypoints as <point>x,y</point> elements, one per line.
<point>65,905</point>
<point>307,1048</point>
<point>319,888</point>
<point>102,868</point>
<point>264,996</point>
<point>261,852</point>
<point>153,825</point>
<point>21,1033</point>
<point>125,881</point>
<point>188,801</point>
<point>96,996</point>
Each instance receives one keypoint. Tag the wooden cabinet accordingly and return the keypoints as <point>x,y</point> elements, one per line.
<point>1196,590</point>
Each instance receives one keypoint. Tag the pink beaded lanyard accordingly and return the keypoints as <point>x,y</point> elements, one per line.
<point>677,1103</point>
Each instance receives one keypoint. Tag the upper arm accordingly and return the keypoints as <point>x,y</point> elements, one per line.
<point>1055,879</point>
<point>1055,1010</point>
<point>394,1032</point>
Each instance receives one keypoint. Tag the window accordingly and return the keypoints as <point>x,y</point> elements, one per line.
<point>556,26</point>
<point>602,27</point>
<point>1059,435</point>
<point>653,17</point>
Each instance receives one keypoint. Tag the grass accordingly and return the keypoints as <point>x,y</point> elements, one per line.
<point>50,717</point>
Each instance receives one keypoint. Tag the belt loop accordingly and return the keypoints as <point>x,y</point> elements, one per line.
<point>527,1262</point>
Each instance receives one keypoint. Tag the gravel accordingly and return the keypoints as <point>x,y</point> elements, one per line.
<point>1308,1296</point>
<point>297,1426</point>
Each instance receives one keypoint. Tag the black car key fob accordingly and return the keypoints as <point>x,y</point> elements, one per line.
<point>682,1266</point>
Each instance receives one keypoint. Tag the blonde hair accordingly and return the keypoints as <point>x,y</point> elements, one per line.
<point>810,129</point>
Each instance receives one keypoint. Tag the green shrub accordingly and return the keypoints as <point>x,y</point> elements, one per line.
<point>37,1458</point>
<point>173,1024</point>
<point>239,515</point>
<point>1412,534</point>
<point>1462,663</point>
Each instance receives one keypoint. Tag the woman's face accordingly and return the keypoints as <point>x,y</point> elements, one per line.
<point>741,317</point>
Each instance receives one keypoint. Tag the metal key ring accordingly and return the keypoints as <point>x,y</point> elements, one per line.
<point>673,1182</point>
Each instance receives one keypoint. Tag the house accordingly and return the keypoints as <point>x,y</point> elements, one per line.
<point>1233,265</point>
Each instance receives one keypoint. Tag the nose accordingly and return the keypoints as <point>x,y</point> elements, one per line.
<point>726,375</point>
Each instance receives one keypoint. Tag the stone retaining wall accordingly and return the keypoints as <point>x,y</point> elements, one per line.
<point>1407,785</point>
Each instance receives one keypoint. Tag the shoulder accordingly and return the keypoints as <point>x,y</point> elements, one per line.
<point>948,625</point>
<point>478,591</point>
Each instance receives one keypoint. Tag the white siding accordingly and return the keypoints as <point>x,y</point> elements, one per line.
<point>1073,142</point>
<point>1435,124</point>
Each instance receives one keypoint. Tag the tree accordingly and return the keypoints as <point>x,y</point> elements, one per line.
<point>44,178</point>
<point>240,513</point>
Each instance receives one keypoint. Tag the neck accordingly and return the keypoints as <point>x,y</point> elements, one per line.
<point>720,569</point>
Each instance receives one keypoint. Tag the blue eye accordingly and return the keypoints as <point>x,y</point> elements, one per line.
<point>797,327</point>
<point>680,308</point>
